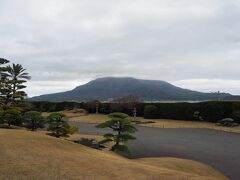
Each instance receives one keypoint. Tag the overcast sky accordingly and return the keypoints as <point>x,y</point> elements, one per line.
<point>64,43</point>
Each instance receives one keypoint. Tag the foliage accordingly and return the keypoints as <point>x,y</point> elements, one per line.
<point>236,115</point>
<point>125,104</point>
<point>1,116</point>
<point>12,82</point>
<point>25,106</point>
<point>92,106</point>
<point>12,79</point>
<point>11,116</point>
<point>3,80</point>
<point>151,112</point>
<point>45,106</point>
<point>17,76</point>
<point>123,126</point>
<point>211,111</point>
<point>3,68</point>
<point>72,129</point>
<point>33,120</point>
<point>58,125</point>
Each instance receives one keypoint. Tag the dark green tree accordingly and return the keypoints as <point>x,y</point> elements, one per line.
<point>123,127</point>
<point>1,116</point>
<point>3,80</point>
<point>17,76</point>
<point>12,82</point>
<point>12,79</point>
<point>12,116</point>
<point>33,120</point>
<point>3,68</point>
<point>58,125</point>
<point>151,112</point>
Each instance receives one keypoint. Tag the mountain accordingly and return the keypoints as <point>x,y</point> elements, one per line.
<point>105,89</point>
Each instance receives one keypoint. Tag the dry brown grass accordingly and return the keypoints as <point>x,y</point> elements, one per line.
<point>183,165</point>
<point>91,118</point>
<point>158,123</point>
<point>166,123</point>
<point>33,155</point>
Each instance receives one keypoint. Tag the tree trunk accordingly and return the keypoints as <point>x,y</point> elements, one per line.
<point>118,139</point>
<point>33,125</point>
<point>9,124</point>
<point>14,90</point>
<point>57,131</point>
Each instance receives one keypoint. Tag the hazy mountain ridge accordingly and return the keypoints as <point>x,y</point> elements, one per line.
<point>104,89</point>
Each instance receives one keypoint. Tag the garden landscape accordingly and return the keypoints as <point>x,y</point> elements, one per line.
<point>105,90</point>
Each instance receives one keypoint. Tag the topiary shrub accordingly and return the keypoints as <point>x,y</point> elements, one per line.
<point>12,116</point>
<point>123,127</point>
<point>58,125</point>
<point>33,120</point>
<point>151,112</point>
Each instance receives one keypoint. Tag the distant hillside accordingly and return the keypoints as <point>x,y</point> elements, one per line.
<point>109,88</point>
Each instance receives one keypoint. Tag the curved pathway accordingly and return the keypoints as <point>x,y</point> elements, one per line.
<point>221,150</point>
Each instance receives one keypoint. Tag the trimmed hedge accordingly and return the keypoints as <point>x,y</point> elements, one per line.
<point>211,111</point>
<point>151,112</point>
<point>45,106</point>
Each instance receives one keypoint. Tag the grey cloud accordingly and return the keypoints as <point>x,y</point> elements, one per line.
<point>75,41</point>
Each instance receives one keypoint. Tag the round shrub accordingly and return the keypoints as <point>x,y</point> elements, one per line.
<point>151,112</point>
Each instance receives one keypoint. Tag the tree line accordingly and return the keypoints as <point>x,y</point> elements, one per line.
<point>210,111</point>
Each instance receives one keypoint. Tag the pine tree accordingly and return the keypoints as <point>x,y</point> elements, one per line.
<point>33,120</point>
<point>12,116</point>
<point>123,126</point>
<point>3,80</point>
<point>58,125</point>
<point>3,68</point>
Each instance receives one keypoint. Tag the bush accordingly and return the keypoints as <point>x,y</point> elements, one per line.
<point>33,120</point>
<point>12,116</point>
<point>151,112</point>
<point>58,125</point>
<point>1,116</point>
<point>236,116</point>
<point>72,129</point>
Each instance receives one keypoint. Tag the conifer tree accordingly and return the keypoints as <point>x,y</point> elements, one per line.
<point>58,125</point>
<point>3,80</point>
<point>12,79</point>
<point>123,127</point>
<point>33,120</point>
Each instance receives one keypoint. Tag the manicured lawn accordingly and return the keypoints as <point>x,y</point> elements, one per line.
<point>166,123</point>
<point>92,118</point>
<point>34,155</point>
<point>158,123</point>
